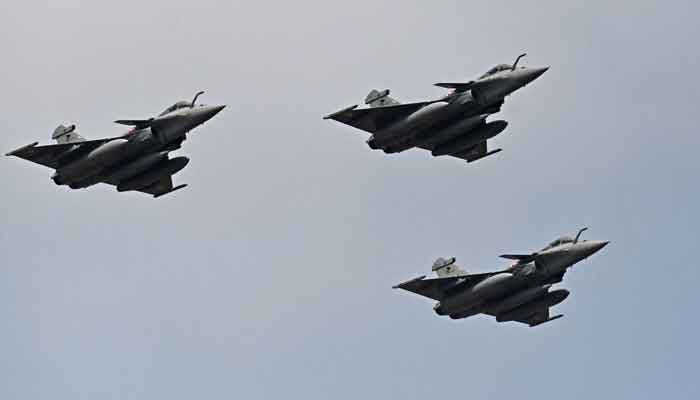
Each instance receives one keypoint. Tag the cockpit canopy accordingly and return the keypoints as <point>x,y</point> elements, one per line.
<point>497,69</point>
<point>175,107</point>
<point>559,242</point>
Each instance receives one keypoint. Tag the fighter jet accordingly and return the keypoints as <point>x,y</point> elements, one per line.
<point>138,160</point>
<point>519,293</point>
<point>454,125</point>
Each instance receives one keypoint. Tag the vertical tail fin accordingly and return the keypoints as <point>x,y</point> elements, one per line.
<point>443,267</point>
<point>66,134</point>
<point>376,98</point>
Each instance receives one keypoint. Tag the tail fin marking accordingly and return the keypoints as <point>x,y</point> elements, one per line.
<point>447,267</point>
<point>66,134</point>
<point>376,98</point>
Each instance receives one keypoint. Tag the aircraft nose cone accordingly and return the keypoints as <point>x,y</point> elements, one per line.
<point>210,111</point>
<point>535,73</point>
<point>594,246</point>
<point>599,244</point>
<point>540,71</point>
<point>217,109</point>
<point>205,113</point>
<point>523,76</point>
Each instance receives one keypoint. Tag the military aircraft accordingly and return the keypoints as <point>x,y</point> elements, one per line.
<point>138,160</point>
<point>519,293</point>
<point>454,125</point>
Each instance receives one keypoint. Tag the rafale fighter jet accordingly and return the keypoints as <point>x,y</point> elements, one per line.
<point>454,125</point>
<point>137,160</point>
<point>520,293</point>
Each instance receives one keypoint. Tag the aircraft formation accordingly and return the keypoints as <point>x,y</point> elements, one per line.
<point>454,125</point>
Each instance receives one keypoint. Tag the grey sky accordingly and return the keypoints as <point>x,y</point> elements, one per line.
<point>270,276</point>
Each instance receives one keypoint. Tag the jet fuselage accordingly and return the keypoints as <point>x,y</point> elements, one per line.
<point>456,122</point>
<point>525,282</point>
<point>139,157</point>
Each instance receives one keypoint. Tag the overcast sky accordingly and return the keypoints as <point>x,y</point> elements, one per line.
<point>270,275</point>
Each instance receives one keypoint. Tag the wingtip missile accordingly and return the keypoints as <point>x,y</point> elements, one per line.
<point>346,109</point>
<point>19,150</point>
<point>402,284</point>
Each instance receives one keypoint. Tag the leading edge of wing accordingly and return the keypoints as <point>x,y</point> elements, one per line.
<point>57,146</point>
<point>392,107</point>
<point>430,288</point>
<point>435,288</point>
<point>375,118</point>
<point>48,154</point>
<point>21,150</point>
